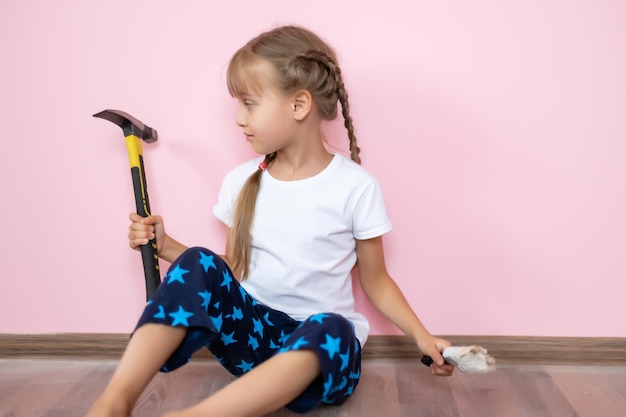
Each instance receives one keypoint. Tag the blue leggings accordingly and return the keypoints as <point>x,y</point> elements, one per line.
<point>200,293</point>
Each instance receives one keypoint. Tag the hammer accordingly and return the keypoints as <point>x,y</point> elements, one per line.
<point>135,132</point>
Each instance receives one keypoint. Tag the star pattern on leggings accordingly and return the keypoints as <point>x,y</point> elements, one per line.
<point>345,357</point>
<point>217,322</point>
<point>207,261</point>
<point>253,342</point>
<point>245,366</point>
<point>237,314</point>
<point>226,280</point>
<point>258,326</point>
<point>206,299</point>
<point>228,339</point>
<point>160,314</point>
<point>332,345</point>
<point>243,293</point>
<point>176,275</point>
<point>328,385</point>
<point>266,317</point>
<point>255,333</point>
<point>273,345</point>
<point>296,345</point>
<point>319,318</point>
<point>180,317</point>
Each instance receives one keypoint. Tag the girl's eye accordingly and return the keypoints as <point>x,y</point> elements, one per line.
<point>247,103</point>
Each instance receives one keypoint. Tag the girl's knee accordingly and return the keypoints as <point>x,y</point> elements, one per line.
<point>199,259</point>
<point>337,320</point>
<point>196,268</point>
<point>332,323</point>
<point>206,257</point>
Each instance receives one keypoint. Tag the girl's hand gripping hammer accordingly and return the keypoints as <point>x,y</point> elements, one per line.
<point>136,132</point>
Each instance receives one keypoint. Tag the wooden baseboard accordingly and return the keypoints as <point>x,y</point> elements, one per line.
<point>506,349</point>
<point>518,349</point>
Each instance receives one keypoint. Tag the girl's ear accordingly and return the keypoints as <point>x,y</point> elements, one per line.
<point>302,104</point>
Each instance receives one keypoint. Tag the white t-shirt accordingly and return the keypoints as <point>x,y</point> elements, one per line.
<point>303,237</point>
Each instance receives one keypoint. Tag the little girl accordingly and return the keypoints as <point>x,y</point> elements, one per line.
<point>277,309</point>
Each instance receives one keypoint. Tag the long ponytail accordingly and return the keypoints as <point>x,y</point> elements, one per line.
<point>241,239</point>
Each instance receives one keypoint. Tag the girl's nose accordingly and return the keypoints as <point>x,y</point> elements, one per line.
<point>241,119</point>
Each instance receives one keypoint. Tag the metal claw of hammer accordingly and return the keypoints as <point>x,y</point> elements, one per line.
<point>135,133</point>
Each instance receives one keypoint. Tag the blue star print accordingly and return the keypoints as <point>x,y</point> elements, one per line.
<point>217,322</point>
<point>299,343</point>
<point>237,314</point>
<point>331,345</point>
<point>344,360</point>
<point>245,366</point>
<point>177,275</point>
<point>180,317</point>
<point>243,293</point>
<point>253,342</point>
<point>207,262</point>
<point>328,385</point>
<point>226,280</point>
<point>160,314</point>
<point>206,299</point>
<point>273,345</point>
<point>319,317</point>
<point>228,339</point>
<point>266,317</point>
<point>344,383</point>
<point>258,326</point>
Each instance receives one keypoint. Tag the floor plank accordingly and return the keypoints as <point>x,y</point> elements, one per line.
<point>422,394</point>
<point>593,391</point>
<point>484,394</point>
<point>388,388</point>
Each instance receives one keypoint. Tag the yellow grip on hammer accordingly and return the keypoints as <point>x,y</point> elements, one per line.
<point>134,147</point>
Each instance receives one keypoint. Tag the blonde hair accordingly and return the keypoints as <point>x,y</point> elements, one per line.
<point>302,61</point>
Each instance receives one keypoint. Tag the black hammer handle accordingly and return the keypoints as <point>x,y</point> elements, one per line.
<point>149,254</point>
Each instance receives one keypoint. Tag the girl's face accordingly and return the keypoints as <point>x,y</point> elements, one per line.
<point>266,114</point>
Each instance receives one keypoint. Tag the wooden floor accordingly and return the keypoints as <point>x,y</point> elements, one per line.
<point>388,388</point>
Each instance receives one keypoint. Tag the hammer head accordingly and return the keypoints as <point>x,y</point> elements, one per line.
<point>129,125</point>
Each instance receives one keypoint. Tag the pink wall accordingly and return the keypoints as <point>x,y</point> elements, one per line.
<point>496,130</point>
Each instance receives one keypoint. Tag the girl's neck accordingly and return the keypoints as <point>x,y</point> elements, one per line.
<point>293,165</point>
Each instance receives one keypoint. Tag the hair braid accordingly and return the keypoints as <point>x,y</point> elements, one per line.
<point>342,93</point>
<point>338,89</point>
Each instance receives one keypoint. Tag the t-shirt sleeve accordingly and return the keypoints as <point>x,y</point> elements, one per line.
<point>225,205</point>
<point>224,209</point>
<point>370,218</point>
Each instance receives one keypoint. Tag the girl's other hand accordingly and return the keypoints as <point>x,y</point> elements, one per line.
<point>434,347</point>
<point>144,229</point>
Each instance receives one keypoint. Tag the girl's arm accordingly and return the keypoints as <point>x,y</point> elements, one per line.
<point>383,292</point>
<point>142,229</point>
